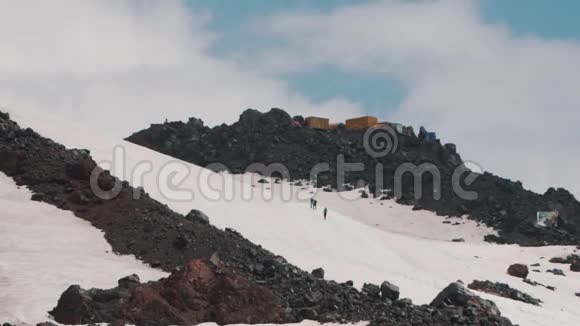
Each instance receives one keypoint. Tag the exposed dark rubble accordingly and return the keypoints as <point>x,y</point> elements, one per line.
<point>503,290</point>
<point>556,271</point>
<point>152,232</point>
<point>535,283</point>
<point>570,259</point>
<point>270,138</point>
<point>573,260</point>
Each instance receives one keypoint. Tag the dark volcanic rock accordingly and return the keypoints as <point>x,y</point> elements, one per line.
<point>372,290</point>
<point>573,260</point>
<point>389,291</point>
<point>318,273</point>
<point>9,161</point>
<point>75,307</point>
<point>518,270</point>
<point>456,295</point>
<point>556,271</point>
<point>129,281</point>
<point>197,216</point>
<point>503,290</point>
<point>570,259</point>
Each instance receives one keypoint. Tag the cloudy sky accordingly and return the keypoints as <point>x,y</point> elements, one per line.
<point>498,78</point>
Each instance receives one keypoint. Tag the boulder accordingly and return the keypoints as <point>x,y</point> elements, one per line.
<point>389,291</point>
<point>457,295</point>
<point>518,270</point>
<point>318,273</point>
<point>197,216</point>
<point>556,271</point>
<point>129,281</point>
<point>73,306</point>
<point>308,313</point>
<point>81,169</point>
<point>372,290</point>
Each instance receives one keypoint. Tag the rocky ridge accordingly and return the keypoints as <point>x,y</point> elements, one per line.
<point>271,137</point>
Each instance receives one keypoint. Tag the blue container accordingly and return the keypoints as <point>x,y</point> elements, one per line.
<point>431,136</point>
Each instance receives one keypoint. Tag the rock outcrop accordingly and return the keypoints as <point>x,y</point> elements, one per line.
<point>198,293</point>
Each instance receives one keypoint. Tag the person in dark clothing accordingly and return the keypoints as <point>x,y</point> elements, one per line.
<point>311,202</point>
<point>325,212</point>
<point>315,203</point>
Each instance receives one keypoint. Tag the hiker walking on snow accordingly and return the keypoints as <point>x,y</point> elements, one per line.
<point>315,203</point>
<point>325,212</point>
<point>311,202</point>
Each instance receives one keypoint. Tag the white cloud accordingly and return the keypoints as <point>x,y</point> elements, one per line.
<point>120,65</point>
<point>509,102</point>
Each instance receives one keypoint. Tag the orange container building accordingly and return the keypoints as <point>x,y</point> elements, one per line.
<point>317,123</point>
<point>362,122</point>
<point>383,124</point>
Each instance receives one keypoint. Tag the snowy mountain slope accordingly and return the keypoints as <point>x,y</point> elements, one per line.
<point>43,250</point>
<point>418,257</point>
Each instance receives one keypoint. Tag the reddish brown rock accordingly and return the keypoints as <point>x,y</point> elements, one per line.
<point>9,161</point>
<point>82,169</point>
<point>200,292</point>
<point>518,270</point>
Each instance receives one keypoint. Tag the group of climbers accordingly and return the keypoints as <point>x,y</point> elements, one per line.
<point>314,205</point>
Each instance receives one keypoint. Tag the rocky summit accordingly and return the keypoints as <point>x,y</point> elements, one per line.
<point>276,137</point>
